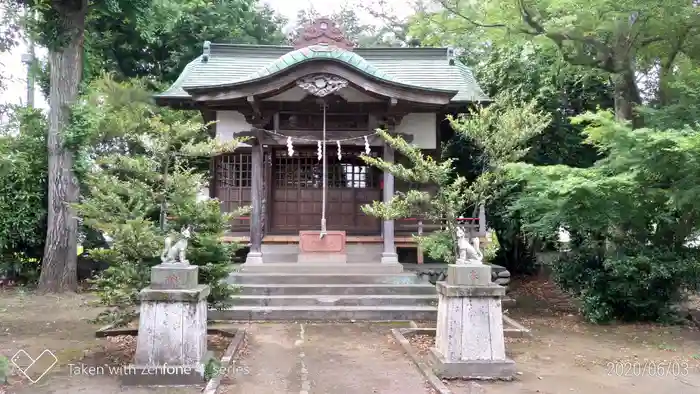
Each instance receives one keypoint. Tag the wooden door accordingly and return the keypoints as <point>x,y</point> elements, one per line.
<point>297,192</point>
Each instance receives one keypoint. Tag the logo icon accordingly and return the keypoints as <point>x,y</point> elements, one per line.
<point>34,368</point>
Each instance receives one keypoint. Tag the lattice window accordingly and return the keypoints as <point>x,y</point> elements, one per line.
<point>353,176</point>
<point>233,179</point>
<point>234,170</point>
<point>304,170</point>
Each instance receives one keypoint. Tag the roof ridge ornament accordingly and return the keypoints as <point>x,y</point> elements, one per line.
<point>322,31</point>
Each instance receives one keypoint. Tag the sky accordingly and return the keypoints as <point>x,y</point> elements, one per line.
<point>16,92</point>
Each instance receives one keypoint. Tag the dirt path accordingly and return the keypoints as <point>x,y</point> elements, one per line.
<point>567,355</point>
<point>35,323</point>
<point>323,358</point>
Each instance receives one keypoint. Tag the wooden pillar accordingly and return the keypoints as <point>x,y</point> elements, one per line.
<point>389,255</point>
<point>210,116</point>
<point>256,196</point>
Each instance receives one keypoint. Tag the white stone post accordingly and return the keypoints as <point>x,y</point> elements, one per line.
<point>482,221</point>
<point>171,346</point>
<point>469,342</point>
<point>389,255</point>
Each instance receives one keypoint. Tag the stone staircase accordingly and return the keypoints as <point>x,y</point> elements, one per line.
<point>361,289</point>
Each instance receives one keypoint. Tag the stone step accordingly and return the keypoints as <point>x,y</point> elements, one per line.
<point>365,313</point>
<point>245,278</point>
<point>322,268</point>
<point>373,248</point>
<point>336,300</point>
<point>337,289</point>
<point>291,258</point>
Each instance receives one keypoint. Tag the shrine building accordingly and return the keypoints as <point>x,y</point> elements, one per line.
<point>288,100</point>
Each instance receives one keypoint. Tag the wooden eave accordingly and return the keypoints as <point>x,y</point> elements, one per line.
<point>273,84</point>
<point>263,137</point>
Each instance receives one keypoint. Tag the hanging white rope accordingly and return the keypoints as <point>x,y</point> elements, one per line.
<point>340,153</point>
<point>302,139</point>
<point>367,148</point>
<point>319,151</point>
<point>290,147</point>
<point>323,207</point>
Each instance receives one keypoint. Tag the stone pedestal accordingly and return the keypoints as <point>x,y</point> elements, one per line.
<point>171,346</point>
<point>469,340</point>
<point>329,249</point>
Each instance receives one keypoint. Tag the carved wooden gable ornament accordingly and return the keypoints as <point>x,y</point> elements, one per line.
<point>321,85</point>
<point>323,31</point>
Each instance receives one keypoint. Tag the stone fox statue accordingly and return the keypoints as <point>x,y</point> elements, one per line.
<point>469,252</point>
<point>175,254</point>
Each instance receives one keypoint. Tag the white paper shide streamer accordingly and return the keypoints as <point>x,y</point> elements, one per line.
<point>319,151</point>
<point>367,149</point>
<point>290,147</point>
<point>340,153</point>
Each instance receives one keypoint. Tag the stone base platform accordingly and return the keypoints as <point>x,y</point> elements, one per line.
<point>171,345</point>
<point>472,369</point>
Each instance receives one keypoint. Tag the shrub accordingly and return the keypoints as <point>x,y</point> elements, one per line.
<point>639,286</point>
<point>500,130</point>
<point>491,248</point>
<point>142,174</point>
<point>23,195</point>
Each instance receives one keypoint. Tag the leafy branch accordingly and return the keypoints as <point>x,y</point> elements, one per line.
<point>501,130</point>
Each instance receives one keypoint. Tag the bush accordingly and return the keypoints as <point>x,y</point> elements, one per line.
<point>639,286</point>
<point>23,195</point>
<point>491,248</point>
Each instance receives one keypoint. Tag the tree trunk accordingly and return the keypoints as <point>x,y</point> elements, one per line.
<point>626,97</point>
<point>59,265</point>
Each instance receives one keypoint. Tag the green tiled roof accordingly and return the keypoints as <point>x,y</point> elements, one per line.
<point>321,52</point>
<point>421,67</point>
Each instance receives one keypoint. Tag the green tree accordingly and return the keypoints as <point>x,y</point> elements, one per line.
<point>501,132</point>
<point>60,27</point>
<point>176,32</point>
<point>133,38</point>
<point>10,34</point>
<point>10,25</point>
<point>139,197</point>
<point>680,106</point>
<point>618,38</point>
<point>533,71</point>
<point>631,217</point>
